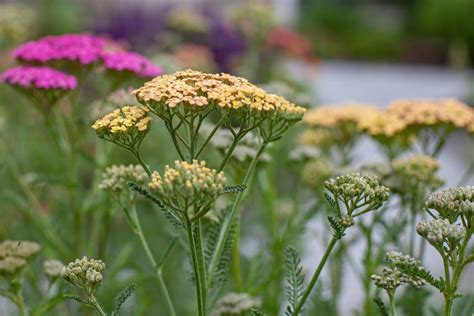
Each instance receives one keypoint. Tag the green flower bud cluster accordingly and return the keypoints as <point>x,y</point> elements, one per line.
<point>437,231</point>
<point>115,177</point>
<point>14,255</point>
<point>418,169</point>
<point>189,182</point>
<point>316,171</point>
<point>84,273</point>
<point>453,203</point>
<point>235,304</point>
<point>356,190</point>
<point>52,268</point>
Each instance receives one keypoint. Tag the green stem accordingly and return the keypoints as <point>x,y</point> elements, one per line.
<point>137,229</point>
<point>226,226</point>
<point>141,162</point>
<point>200,288</point>
<point>393,309</point>
<point>236,258</point>
<point>316,275</point>
<point>96,305</point>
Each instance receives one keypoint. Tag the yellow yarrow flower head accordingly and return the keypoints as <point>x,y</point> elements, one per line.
<point>126,126</point>
<point>187,184</point>
<point>187,98</point>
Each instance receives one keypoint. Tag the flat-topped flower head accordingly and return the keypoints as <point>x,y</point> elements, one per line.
<point>130,62</point>
<point>19,248</point>
<point>126,126</point>
<point>454,203</point>
<point>355,191</point>
<point>116,177</point>
<point>10,266</point>
<point>382,124</point>
<point>426,113</point>
<point>333,116</point>
<point>84,273</point>
<point>438,231</point>
<point>316,171</point>
<point>84,49</point>
<point>235,304</point>
<point>418,169</point>
<point>42,78</point>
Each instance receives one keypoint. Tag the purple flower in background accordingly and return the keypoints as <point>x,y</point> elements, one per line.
<point>132,62</point>
<point>82,48</point>
<point>43,78</point>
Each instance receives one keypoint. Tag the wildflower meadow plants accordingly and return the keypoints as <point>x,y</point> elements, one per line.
<point>204,211</point>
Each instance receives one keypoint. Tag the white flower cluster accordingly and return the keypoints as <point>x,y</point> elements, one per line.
<point>18,248</point>
<point>115,177</point>
<point>234,304</point>
<point>391,278</point>
<point>452,202</point>
<point>437,231</point>
<point>52,268</point>
<point>84,273</point>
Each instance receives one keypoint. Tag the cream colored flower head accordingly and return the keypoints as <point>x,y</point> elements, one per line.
<point>19,248</point>
<point>190,180</point>
<point>197,91</point>
<point>433,113</point>
<point>332,116</point>
<point>131,121</point>
<point>85,273</point>
<point>381,124</point>
<point>52,268</point>
<point>115,177</point>
<point>418,168</point>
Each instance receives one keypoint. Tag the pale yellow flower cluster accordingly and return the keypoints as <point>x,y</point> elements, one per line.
<point>188,179</point>
<point>14,255</point>
<point>380,123</point>
<point>199,90</point>
<point>316,137</point>
<point>419,168</point>
<point>128,119</point>
<point>334,116</point>
<point>434,112</point>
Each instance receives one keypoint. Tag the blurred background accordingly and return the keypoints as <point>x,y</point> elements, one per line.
<point>312,51</point>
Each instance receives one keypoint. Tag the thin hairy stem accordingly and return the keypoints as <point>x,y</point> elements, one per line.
<point>316,275</point>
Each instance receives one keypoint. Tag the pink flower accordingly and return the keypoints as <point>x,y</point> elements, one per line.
<point>132,62</point>
<point>44,78</point>
<point>82,48</point>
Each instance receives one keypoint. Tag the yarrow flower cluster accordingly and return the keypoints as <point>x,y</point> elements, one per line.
<point>115,178</point>
<point>16,22</point>
<point>197,90</point>
<point>126,126</point>
<point>419,113</point>
<point>84,49</point>
<point>391,277</point>
<point>52,268</point>
<point>382,124</point>
<point>84,273</point>
<point>189,180</point>
<point>438,231</point>
<point>43,78</point>
<point>333,116</point>
<point>14,255</point>
<point>454,203</point>
<point>130,62</point>
<point>418,169</point>
<point>316,171</point>
<point>356,190</point>
<point>235,304</point>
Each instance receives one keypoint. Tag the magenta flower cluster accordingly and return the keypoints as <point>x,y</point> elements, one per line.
<point>39,77</point>
<point>132,62</point>
<point>82,48</point>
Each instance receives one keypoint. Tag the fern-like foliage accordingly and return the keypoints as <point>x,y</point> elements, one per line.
<point>234,188</point>
<point>124,295</point>
<point>422,273</point>
<point>256,312</point>
<point>211,242</point>
<point>294,279</point>
<point>175,220</point>
<point>331,200</point>
<point>338,229</point>
<point>382,309</point>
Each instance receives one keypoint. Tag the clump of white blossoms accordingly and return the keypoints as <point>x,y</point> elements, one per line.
<point>358,193</point>
<point>391,277</point>
<point>52,268</point>
<point>19,248</point>
<point>115,177</point>
<point>454,203</point>
<point>187,184</point>
<point>235,304</point>
<point>84,273</point>
<point>438,231</point>
<point>10,266</point>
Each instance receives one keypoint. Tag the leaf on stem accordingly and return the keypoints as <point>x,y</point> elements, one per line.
<point>294,279</point>
<point>338,229</point>
<point>234,188</point>
<point>124,295</point>
<point>382,309</point>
